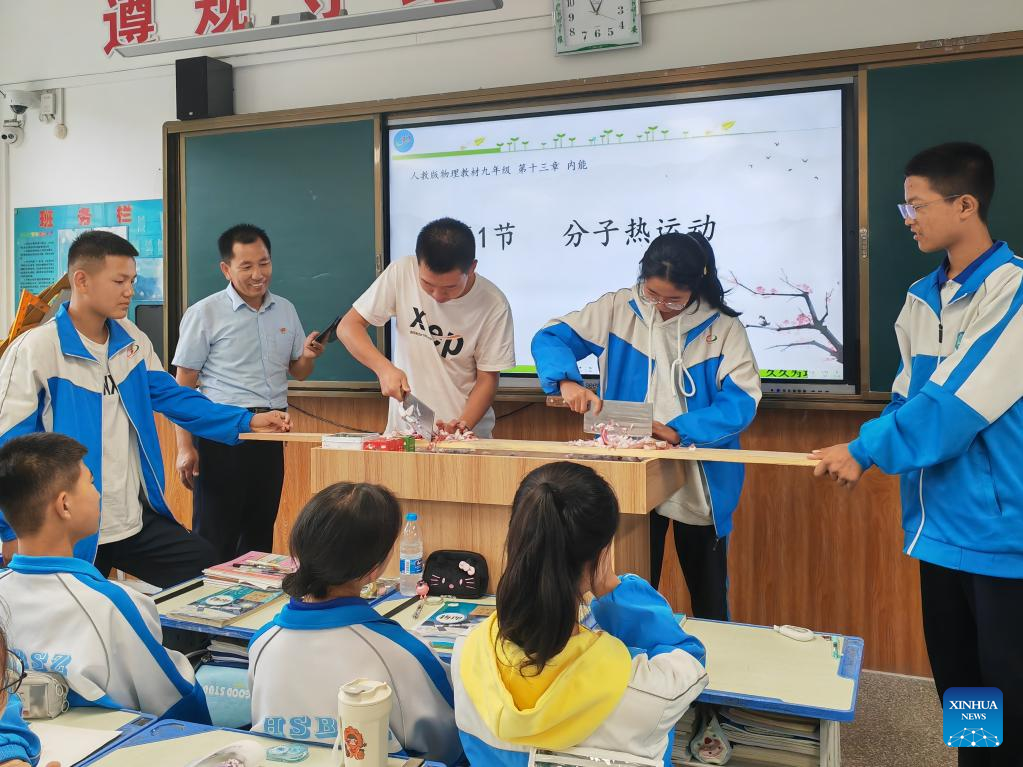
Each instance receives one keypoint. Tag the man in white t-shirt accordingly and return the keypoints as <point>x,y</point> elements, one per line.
<point>454,330</point>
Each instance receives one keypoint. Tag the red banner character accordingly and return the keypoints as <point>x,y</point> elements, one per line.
<point>84,217</point>
<point>124,214</point>
<point>222,16</point>
<point>130,21</point>
<point>330,8</point>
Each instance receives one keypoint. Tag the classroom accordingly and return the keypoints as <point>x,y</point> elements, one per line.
<point>511,382</point>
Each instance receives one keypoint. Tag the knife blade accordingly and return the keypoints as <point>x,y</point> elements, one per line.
<point>419,418</point>
<point>635,419</point>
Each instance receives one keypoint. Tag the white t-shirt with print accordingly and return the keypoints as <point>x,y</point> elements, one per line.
<point>121,509</point>
<point>441,346</point>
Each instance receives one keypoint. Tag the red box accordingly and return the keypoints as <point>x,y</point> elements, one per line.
<point>393,444</point>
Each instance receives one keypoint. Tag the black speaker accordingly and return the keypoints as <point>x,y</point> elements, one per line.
<point>205,88</point>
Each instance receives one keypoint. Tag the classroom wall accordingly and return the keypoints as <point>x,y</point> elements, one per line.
<point>116,105</point>
<point>804,552</point>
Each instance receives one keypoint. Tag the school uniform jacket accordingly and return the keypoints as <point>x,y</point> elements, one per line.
<point>16,740</point>
<point>298,662</point>
<point>621,688</point>
<point>103,638</point>
<point>50,382</point>
<point>715,380</point>
<point>954,427</point>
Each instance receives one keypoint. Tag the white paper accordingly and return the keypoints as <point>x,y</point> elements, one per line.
<point>69,745</point>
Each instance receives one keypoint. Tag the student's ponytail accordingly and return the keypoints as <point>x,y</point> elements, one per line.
<point>563,516</point>
<point>686,260</point>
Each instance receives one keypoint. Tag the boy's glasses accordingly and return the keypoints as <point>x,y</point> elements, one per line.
<point>653,300</point>
<point>14,674</point>
<point>907,210</point>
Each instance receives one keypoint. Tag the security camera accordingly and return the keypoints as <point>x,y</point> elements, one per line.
<point>11,135</point>
<point>20,101</point>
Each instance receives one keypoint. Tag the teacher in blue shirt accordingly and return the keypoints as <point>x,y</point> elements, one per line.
<point>239,346</point>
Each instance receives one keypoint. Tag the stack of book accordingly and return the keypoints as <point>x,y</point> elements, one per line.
<point>240,587</point>
<point>762,739</point>
<point>757,738</point>
<point>225,650</point>
<point>685,731</point>
<point>253,569</point>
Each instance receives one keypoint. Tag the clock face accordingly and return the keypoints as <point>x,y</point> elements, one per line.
<point>581,26</point>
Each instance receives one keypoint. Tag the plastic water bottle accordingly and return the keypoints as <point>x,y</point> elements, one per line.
<point>410,554</point>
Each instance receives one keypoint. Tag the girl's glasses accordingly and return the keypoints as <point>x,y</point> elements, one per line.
<point>653,300</point>
<point>14,674</point>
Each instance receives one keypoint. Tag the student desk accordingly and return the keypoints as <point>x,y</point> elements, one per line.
<point>171,743</point>
<point>756,668</point>
<point>463,491</point>
<point>128,723</point>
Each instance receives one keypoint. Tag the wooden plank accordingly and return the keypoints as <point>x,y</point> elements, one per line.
<point>481,446</point>
<point>769,457</point>
<point>313,437</point>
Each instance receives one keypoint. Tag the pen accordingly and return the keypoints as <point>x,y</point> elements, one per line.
<point>422,590</point>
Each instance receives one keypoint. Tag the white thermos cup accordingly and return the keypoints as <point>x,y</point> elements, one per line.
<point>364,711</point>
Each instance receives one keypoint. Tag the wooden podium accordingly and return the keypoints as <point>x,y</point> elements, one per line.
<point>464,500</point>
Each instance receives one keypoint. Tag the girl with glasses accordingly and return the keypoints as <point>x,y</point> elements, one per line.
<point>673,341</point>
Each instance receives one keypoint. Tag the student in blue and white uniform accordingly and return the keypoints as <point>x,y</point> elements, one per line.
<point>92,374</point>
<point>531,677</point>
<point>954,433</point>
<point>327,635</point>
<point>671,340</point>
<point>19,746</point>
<point>66,618</point>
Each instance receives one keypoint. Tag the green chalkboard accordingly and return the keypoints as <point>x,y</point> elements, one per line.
<point>912,108</point>
<point>312,188</point>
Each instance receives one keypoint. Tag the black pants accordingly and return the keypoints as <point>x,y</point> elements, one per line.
<point>162,553</point>
<point>237,494</point>
<point>704,561</point>
<point>973,625</point>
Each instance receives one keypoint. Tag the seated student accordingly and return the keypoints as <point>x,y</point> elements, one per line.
<point>673,341</point>
<point>531,676</point>
<point>19,746</point>
<point>327,635</point>
<point>66,618</point>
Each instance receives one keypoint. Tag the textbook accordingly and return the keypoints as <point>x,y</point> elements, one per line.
<point>257,568</point>
<point>450,621</point>
<point>227,605</point>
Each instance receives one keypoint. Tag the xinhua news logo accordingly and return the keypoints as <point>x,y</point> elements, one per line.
<point>973,717</point>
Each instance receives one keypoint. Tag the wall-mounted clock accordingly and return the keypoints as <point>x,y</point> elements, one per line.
<point>582,26</point>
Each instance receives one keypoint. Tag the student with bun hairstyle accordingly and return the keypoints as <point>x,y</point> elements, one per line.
<point>327,635</point>
<point>531,676</point>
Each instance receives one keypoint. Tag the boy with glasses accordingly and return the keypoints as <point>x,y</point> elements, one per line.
<point>954,432</point>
